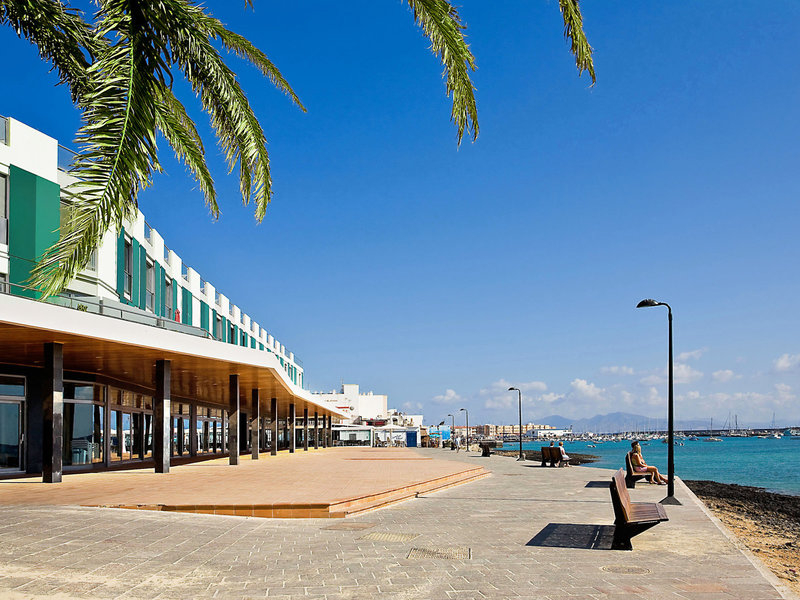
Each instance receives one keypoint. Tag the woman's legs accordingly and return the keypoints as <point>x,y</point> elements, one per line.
<point>655,476</point>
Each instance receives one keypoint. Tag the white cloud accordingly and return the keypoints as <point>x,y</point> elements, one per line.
<point>551,397</point>
<point>585,390</point>
<point>502,386</point>
<point>617,370</point>
<point>449,397</point>
<point>652,380</point>
<point>784,392</point>
<point>787,362</point>
<point>683,373</point>
<point>691,355</point>
<point>413,406</point>
<point>724,376</point>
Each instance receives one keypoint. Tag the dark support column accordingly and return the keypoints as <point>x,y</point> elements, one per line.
<point>273,408</point>
<point>53,413</point>
<point>322,433</point>
<point>233,420</point>
<point>255,422</point>
<point>305,430</point>
<point>329,431</point>
<point>161,416</point>
<point>316,430</point>
<point>192,430</point>
<point>292,438</point>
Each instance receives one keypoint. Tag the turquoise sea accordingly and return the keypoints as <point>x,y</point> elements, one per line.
<point>769,463</point>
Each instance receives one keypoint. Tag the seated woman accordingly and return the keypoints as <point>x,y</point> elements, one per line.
<point>643,468</point>
<point>564,455</point>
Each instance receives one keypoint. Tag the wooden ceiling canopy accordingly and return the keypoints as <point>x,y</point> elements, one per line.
<point>198,378</point>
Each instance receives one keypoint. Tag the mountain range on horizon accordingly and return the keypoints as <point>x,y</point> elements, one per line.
<point>620,422</point>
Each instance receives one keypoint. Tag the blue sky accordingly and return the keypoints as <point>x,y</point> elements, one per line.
<point>441,275</point>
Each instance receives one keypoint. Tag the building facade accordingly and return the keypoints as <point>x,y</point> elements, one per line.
<point>141,358</point>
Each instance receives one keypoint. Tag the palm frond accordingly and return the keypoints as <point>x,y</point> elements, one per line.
<point>441,23</point>
<point>118,152</point>
<point>61,35</point>
<point>573,31</point>
<point>180,131</point>
<point>238,131</point>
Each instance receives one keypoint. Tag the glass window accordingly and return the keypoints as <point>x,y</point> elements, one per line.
<point>3,281</point>
<point>83,391</point>
<point>128,267</point>
<point>83,434</point>
<point>168,299</point>
<point>10,429</point>
<point>3,209</point>
<point>151,286</point>
<point>12,386</point>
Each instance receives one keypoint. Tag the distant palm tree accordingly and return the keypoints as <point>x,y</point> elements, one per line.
<point>119,67</point>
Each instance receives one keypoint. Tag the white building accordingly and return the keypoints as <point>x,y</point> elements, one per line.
<point>355,404</point>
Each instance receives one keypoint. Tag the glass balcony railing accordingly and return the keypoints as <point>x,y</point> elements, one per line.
<point>3,130</point>
<point>66,158</point>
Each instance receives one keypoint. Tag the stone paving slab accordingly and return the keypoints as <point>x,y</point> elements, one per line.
<point>76,552</point>
<point>300,479</point>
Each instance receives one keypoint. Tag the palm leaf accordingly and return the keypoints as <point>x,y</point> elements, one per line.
<point>573,31</point>
<point>441,23</point>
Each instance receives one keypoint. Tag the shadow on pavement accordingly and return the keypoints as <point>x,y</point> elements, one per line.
<point>571,535</point>
<point>597,484</point>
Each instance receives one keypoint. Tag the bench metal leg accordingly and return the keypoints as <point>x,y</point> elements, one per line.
<point>623,534</point>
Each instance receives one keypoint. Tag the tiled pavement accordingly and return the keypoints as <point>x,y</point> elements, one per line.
<point>105,553</point>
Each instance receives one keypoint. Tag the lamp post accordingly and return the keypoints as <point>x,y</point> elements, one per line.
<point>452,433</point>
<point>670,499</point>
<point>466,412</point>
<point>521,455</point>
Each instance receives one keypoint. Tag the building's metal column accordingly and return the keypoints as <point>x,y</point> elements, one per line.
<point>316,430</point>
<point>161,416</point>
<point>292,428</point>
<point>274,414</point>
<point>329,431</point>
<point>255,422</point>
<point>192,430</point>
<point>305,430</point>
<point>53,412</point>
<point>233,420</point>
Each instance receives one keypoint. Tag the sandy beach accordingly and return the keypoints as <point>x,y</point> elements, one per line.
<point>768,524</point>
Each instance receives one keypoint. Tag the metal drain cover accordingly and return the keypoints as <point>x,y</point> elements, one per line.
<point>377,536</point>
<point>456,552</point>
<point>349,526</point>
<point>625,570</point>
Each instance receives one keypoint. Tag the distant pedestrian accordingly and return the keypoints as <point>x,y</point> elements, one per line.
<point>458,445</point>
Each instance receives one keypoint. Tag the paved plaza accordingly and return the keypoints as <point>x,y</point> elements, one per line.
<point>523,532</point>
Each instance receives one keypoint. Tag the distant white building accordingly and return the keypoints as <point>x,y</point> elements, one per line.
<point>355,404</point>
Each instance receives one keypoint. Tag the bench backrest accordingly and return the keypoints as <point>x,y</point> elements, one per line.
<point>619,494</point>
<point>629,465</point>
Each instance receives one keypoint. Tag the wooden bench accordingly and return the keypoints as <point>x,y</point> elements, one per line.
<point>552,454</point>
<point>631,518</point>
<point>487,445</point>
<point>631,476</point>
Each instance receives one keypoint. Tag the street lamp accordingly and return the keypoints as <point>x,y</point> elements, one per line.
<point>670,499</point>
<point>521,455</point>
<point>467,415</point>
<point>452,433</point>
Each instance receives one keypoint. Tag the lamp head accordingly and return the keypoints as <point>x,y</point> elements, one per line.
<point>648,302</point>
<point>512,389</point>
<point>449,415</point>
<point>460,409</point>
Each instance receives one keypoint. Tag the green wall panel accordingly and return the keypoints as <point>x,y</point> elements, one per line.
<point>158,278</point>
<point>204,322</point>
<point>121,264</point>
<point>34,220</point>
